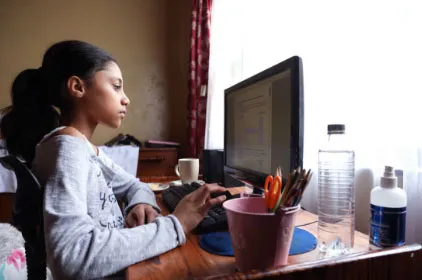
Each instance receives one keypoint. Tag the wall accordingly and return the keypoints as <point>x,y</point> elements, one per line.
<point>149,38</point>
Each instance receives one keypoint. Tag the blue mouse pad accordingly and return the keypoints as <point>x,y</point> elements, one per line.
<point>219,243</point>
<point>303,241</point>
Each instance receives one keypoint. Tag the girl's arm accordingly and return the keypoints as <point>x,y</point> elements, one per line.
<point>126,187</point>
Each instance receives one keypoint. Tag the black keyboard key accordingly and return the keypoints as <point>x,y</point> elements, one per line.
<point>214,214</point>
<point>195,185</point>
<point>206,222</point>
<point>220,210</point>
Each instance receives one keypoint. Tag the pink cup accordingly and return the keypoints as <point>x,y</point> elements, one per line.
<point>249,194</point>
<point>260,240</point>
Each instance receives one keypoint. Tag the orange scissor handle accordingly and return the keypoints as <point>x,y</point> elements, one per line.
<point>267,186</point>
<point>272,190</point>
<point>275,191</point>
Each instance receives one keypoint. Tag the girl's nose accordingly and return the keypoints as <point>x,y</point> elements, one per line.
<point>125,100</point>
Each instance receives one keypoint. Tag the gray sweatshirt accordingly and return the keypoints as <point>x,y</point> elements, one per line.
<point>83,224</point>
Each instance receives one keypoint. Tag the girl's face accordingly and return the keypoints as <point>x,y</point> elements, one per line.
<point>105,101</point>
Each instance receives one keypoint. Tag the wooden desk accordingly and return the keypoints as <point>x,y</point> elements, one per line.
<point>192,262</point>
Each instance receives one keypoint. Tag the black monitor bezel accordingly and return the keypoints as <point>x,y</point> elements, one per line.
<point>255,178</point>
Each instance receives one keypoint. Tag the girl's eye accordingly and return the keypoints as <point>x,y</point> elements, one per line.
<point>117,87</point>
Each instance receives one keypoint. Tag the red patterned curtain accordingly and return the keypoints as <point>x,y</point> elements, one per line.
<point>198,78</point>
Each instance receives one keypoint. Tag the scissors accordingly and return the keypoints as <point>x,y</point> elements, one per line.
<point>272,190</point>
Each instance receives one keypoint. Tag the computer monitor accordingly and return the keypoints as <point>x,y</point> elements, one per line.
<point>263,123</point>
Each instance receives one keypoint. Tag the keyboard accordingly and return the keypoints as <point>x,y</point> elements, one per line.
<point>215,219</point>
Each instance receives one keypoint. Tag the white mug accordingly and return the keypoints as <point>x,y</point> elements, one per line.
<point>187,170</point>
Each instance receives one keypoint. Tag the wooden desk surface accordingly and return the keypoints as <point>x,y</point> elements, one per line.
<point>192,262</point>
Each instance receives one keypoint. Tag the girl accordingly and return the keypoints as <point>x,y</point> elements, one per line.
<point>84,228</point>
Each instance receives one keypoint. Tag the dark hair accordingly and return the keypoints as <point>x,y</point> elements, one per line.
<point>36,93</point>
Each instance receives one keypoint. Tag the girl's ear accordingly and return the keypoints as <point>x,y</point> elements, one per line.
<point>76,87</point>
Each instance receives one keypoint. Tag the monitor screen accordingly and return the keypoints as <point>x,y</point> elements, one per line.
<point>264,123</point>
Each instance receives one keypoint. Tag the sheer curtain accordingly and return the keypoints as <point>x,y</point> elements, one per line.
<point>362,67</point>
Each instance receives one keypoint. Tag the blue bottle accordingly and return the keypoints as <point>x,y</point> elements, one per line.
<point>388,212</point>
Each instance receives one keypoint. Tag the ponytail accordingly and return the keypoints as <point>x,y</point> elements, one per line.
<point>30,116</point>
<point>36,93</point>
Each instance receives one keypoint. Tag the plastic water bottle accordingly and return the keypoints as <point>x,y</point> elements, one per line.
<point>336,193</point>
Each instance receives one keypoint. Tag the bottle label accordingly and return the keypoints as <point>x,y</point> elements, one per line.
<point>388,226</point>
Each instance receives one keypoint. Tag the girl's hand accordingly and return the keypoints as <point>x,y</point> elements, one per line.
<point>140,214</point>
<point>192,208</point>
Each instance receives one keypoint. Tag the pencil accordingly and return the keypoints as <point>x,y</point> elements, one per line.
<point>292,191</point>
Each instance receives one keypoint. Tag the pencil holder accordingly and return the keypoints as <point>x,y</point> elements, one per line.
<point>260,240</point>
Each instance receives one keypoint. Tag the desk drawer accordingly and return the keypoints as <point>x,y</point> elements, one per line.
<point>157,162</point>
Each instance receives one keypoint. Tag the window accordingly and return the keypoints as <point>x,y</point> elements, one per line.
<point>362,67</point>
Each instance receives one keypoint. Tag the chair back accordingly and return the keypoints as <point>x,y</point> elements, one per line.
<point>7,200</point>
<point>27,216</point>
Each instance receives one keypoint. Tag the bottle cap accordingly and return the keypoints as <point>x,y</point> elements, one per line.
<point>336,128</point>
<point>388,180</point>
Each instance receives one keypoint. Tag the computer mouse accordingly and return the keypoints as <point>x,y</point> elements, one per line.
<point>226,193</point>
